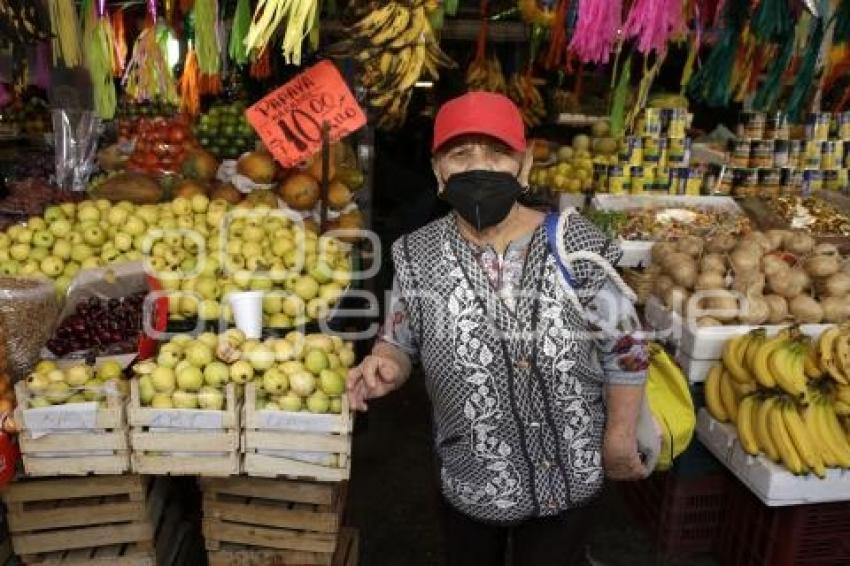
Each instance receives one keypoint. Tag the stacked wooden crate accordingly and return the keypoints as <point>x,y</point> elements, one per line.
<point>253,520</point>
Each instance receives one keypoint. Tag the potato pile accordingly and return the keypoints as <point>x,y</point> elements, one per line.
<point>772,277</point>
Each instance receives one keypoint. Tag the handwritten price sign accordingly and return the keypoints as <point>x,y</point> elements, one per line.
<point>289,120</point>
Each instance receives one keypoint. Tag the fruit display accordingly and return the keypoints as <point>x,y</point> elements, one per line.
<point>161,145</point>
<point>81,383</point>
<point>775,277</point>
<point>524,92</point>
<point>295,373</point>
<point>258,249</point>
<point>655,222</point>
<point>224,131</point>
<point>574,164</point>
<point>485,74</point>
<point>7,393</point>
<point>129,113</point>
<point>816,215</point>
<point>107,325</point>
<point>396,45</point>
<point>786,396</point>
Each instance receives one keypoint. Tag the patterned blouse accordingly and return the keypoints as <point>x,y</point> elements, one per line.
<point>623,353</point>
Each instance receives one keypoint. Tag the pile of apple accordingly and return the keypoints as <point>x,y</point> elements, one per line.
<point>80,383</point>
<point>199,251</point>
<point>294,373</point>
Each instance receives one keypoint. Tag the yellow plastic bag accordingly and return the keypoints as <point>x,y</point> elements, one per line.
<point>672,408</point>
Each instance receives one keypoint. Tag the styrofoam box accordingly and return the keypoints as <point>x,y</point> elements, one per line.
<point>707,343</point>
<point>571,200</point>
<point>695,370</point>
<point>637,252</point>
<point>771,483</point>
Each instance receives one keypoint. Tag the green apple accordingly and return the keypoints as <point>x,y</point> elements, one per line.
<point>181,206</point>
<point>190,378</point>
<point>135,226</point>
<point>209,309</point>
<point>9,267</point>
<point>261,357</point>
<point>261,284</point>
<point>103,204</point>
<point>19,251</point>
<point>39,254</point>
<point>253,234</point>
<point>91,263</point>
<point>335,405</point>
<point>57,392</point>
<point>331,382</point>
<point>29,267</point>
<point>316,361</point>
<point>168,359</point>
<point>290,402</point>
<point>198,353</point>
<point>216,374</point>
<point>93,390</point>
<point>242,278</point>
<point>302,383</point>
<point>81,252</point>
<point>162,401</point>
<point>241,372</point>
<point>279,320</point>
<point>109,369</point>
<point>53,213</point>
<point>321,272</point>
<point>210,398</point>
<point>207,287</point>
<point>346,357</point>
<point>43,238</point>
<point>306,287</point>
<point>317,308</point>
<point>61,285</point>
<point>189,305</point>
<point>52,266</point>
<point>88,213</point>
<point>251,249</point>
<point>75,237</point>
<point>275,381</point>
<point>62,249</point>
<point>123,241</point>
<point>117,216</point>
<point>24,236</point>
<point>163,378</point>
<point>318,402</point>
<point>146,390</point>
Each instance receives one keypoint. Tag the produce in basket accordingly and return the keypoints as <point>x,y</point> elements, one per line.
<point>109,325</point>
<point>80,383</point>
<point>812,213</point>
<point>775,277</point>
<point>657,223</point>
<point>788,397</point>
<point>572,171</point>
<point>224,131</point>
<point>294,373</point>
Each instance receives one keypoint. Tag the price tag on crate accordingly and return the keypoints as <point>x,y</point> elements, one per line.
<point>289,120</point>
<point>186,419</point>
<point>74,416</point>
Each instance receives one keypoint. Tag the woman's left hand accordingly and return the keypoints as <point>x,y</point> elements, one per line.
<point>620,457</point>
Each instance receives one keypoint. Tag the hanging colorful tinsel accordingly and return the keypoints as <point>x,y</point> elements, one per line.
<point>596,29</point>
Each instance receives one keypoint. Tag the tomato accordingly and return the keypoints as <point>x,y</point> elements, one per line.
<point>176,134</point>
<point>149,159</point>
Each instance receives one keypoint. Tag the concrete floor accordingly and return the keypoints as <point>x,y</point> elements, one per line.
<point>393,494</point>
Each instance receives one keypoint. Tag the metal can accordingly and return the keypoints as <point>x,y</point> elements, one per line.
<point>600,177</point>
<point>811,155</point>
<point>817,126</point>
<point>663,152</point>
<point>631,151</point>
<point>739,153</point>
<point>678,152</point>
<point>846,159</point>
<point>650,150</point>
<point>843,180</point>
<point>812,181</point>
<point>616,180</point>
<point>751,125</point>
<point>677,123</point>
<point>693,182</point>
<point>776,126</point>
<point>638,181</point>
<point>761,153</point>
<point>769,181</point>
<point>744,181</point>
<point>795,153</point>
<point>830,180</point>
<point>780,153</point>
<point>829,158</point>
<point>651,122</point>
<point>844,126</point>
<point>718,181</point>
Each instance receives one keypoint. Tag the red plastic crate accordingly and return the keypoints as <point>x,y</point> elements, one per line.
<point>753,534</point>
<point>681,514</point>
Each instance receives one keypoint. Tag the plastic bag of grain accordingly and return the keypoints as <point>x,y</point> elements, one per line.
<point>29,309</point>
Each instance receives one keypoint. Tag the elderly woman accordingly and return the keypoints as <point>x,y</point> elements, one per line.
<point>527,341</point>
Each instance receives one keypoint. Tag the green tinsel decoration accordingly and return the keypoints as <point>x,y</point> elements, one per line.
<point>618,101</point>
<point>772,21</point>
<point>841,33</point>
<point>711,83</point>
<point>769,92</point>
<point>806,74</point>
<point>241,23</point>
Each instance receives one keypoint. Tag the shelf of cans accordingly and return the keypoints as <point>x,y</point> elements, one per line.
<point>654,159</point>
<point>766,159</point>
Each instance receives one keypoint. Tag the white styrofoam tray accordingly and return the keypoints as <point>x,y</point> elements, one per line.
<point>707,343</point>
<point>772,483</point>
<point>695,370</point>
<point>666,324</point>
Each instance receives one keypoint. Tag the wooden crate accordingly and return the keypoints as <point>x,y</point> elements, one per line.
<point>300,517</point>
<point>184,441</point>
<point>297,445</point>
<point>85,520</point>
<point>347,554</point>
<point>77,444</point>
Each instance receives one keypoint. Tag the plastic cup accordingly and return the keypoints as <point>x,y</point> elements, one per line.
<point>247,309</point>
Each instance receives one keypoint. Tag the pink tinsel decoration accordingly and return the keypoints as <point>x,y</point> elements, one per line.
<point>653,23</point>
<point>596,29</point>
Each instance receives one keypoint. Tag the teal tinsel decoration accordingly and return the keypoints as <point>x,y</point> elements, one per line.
<point>711,83</point>
<point>841,33</point>
<point>807,71</point>
<point>772,87</point>
<point>772,20</point>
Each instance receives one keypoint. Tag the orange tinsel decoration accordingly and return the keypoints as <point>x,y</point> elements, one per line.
<point>120,42</point>
<point>190,95</point>
<point>210,84</point>
<point>261,68</point>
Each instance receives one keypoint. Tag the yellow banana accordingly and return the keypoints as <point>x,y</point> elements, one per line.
<point>826,353</point>
<point>811,363</point>
<point>841,408</point>
<point>757,339</point>
<point>415,28</point>
<point>832,434</point>
<point>812,420</point>
<point>802,439</point>
<point>712,394</point>
<point>744,389</point>
<point>745,423</point>
<point>733,358</point>
<point>761,370</point>
<point>842,357</point>
<point>782,440</point>
<point>842,393</point>
<point>727,397</point>
<point>786,365</point>
<point>374,20</point>
<point>762,428</point>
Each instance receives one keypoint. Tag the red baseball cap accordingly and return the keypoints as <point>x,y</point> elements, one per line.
<point>485,113</point>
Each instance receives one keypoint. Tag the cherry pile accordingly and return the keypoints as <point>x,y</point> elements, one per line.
<point>98,324</point>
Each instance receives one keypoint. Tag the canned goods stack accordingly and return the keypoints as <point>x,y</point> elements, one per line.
<point>764,160</point>
<point>655,159</point>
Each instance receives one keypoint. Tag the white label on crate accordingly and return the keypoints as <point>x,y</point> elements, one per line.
<point>320,458</point>
<point>43,420</point>
<point>300,422</point>
<point>187,418</point>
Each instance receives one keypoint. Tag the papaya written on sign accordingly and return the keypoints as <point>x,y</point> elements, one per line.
<point>289,120</point>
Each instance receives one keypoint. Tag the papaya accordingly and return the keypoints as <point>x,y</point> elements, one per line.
<point>134,187</point>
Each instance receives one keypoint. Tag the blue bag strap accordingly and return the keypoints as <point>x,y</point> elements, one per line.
<point>551,223</point>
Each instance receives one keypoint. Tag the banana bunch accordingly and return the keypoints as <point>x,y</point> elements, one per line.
<point>22,22</point>
<point>782,401</point>
<point>832,356</point>
<point>486,75</point>
<point>523,91</point>
<point>396,46</point>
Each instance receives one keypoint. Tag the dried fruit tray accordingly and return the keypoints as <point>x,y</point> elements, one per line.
<point>73,439</point>
<point>184,441</point>
<point>770,482</point>
<point>302,445</point>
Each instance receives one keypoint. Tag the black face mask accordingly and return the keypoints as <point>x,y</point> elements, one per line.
<point>482,198</point>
